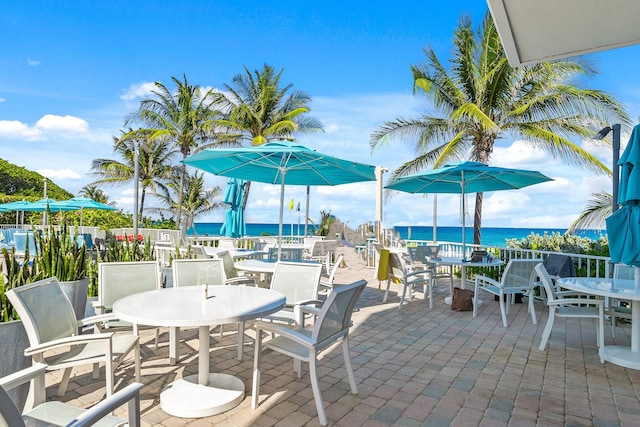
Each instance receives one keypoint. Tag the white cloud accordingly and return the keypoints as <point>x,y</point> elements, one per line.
<point>51,122</point>
<point>2,99</point>
<point>60,174</point>
<point>138,90</point>
<point>19,130</point>
<point>33,62</point>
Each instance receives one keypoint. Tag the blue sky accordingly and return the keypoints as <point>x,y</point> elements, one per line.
<point>72,71</point>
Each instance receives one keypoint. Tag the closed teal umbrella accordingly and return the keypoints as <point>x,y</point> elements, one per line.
<point>467,177</point>
<point>281,162</point>
<point>234,225</point>
<point>623,226</point>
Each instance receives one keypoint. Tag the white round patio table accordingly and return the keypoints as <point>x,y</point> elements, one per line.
<point>629,357</point>
<point>205,393</point>
<point>256,266</point>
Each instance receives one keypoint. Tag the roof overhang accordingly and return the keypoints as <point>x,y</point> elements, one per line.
<point>535,31</point>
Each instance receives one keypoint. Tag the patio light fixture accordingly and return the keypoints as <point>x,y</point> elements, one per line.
<point>616,156</point>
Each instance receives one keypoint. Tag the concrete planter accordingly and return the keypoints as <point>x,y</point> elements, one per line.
<point>77,291</point>
<point>14,341</point>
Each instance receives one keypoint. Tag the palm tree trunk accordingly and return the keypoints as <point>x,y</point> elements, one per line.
<point>477,219</point>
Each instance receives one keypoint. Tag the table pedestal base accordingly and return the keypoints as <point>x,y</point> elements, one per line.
<point>622,356</point>
<point>186,398</point>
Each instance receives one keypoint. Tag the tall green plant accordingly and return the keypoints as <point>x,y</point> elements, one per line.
<point>59,255</point>
<point>14,274</point>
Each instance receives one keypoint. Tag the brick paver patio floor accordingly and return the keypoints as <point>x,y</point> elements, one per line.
<point>414,367</point>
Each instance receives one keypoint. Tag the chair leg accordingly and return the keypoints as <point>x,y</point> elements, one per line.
<point>347,365</point>
<point>108,373</point>
<point>532,308</point>
<point>255,392</point>
<point>503,307</point>
<point>64,382</point>
<point>404,293</point>
<point>547,329</point>
<point>315,386</point>
<point>601,333</point>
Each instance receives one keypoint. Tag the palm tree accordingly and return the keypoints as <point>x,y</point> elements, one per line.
<point>182,117</point>
<point>482,99</point>
<point>258,110</point>
<point>196,200</point>
<point>594,214</point>
<point>155,163</point>
<point>95,193</point>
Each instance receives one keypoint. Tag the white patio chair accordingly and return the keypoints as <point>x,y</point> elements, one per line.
<point>52,328</point>
<point>620,309</point>
<point>286,254</point>
<point>299,283</point>
<point>231,275</point>
<point>326,284</point>
<point>41,413</point>
<point>423,254</point>
<point>518,277</point>
<point>570,308</point>
<point>331,326</point>
<point>119,279</point>
<point>320,250</point>
<point>410,278</point>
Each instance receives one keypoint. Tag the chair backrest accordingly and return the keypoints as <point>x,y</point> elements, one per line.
<point>45,311</point>
<point>623,271</point>
<point>423,253</point>
<point>297,281</point>
<point>519,273</point>
<point>9,413</point>
<point>192,272</point>
<point>335,316</point>
<point>230,271</point>
<point>286,254</point>
<point>119,279</point>
<point>547,283</point>
<point>397,267</point>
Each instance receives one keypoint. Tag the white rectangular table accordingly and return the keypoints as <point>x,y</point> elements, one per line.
<point>203,394</point>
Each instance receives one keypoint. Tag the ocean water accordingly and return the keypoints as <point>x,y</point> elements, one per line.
<point>490,236</point>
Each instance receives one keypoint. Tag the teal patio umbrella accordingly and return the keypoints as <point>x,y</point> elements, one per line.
<point>467,177</point>
<point>281,162</point>
<point>234,225</point>
<point>623,226</point>
<point>81,203</point>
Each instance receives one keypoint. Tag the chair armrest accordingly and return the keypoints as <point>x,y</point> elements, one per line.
<point>23,376</point>
<point>240,280</point>
<point>282,330</point>
<point>308,309</point>
<point>484,280</point>
<point>130,394</point>
<point>96,319</point>
<point>67,341</point>
<point>418,272</point>
<point>565,301</point>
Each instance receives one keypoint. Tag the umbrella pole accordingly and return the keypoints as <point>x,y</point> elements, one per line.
<point>635,311</point>
<point>306,217</point>
<point>283,172</point>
